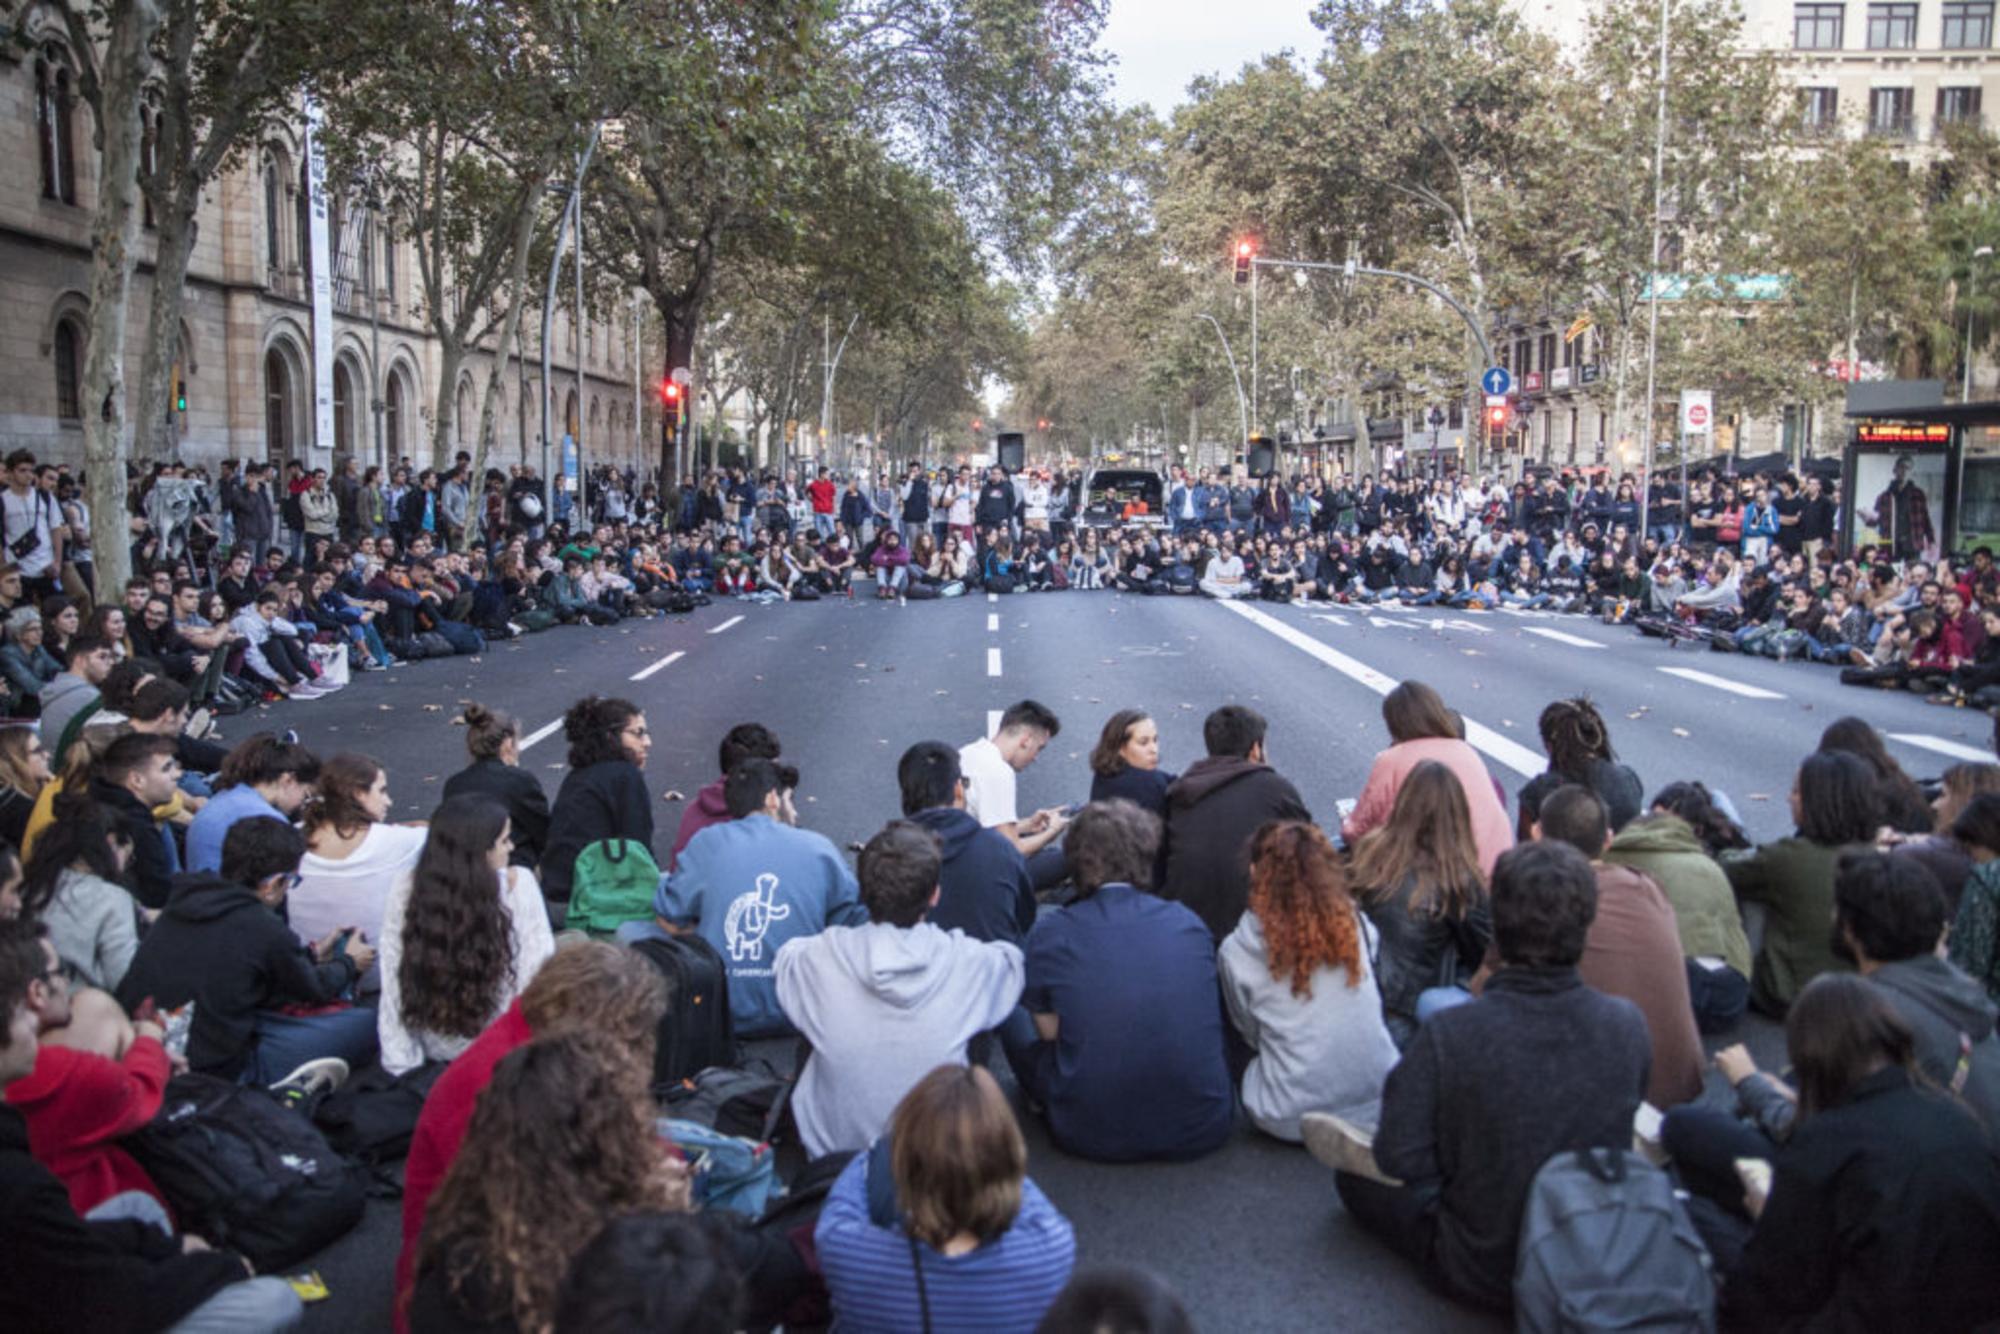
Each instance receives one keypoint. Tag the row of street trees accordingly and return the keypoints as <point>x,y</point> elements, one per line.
<point>760,170</point>
<point>1453,141</point>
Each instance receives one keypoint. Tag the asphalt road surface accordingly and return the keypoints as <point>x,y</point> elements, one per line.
<point>1253,1237</point>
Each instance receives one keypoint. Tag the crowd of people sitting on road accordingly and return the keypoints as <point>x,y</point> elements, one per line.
<point>1470,1008</point>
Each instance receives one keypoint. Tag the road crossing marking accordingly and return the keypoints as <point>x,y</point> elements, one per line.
<point>1506,751</point>
<point>716,630</point>
<point>992,597</point>
<point>540,734</point>
<point>993,662</point>
<point>1957,750</point>
<point>1562,637</point>
<point>1721,683</point>
<point>667,661</point>
<point>992,621</point>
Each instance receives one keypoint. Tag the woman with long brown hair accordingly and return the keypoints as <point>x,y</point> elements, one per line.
<point>1422,729</point>
<point>1418,878</point>
<point>561,1143</point>
<point>24,772</point>
<point>1126,762</point>
<point>353,853</point>
<point>1300,988</point>
<point>969,1242</point>
<point>462,935</point>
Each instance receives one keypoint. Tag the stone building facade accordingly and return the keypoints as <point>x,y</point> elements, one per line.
<point>247,354</point>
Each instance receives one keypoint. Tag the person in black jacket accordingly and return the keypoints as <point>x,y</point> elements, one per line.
<point>121,1270</point>
<point>995,508</point>
<point>221,944</point>
<point>418,512</point>
<point>1126,763</point>
<point>1884,1208</point>
<point>984,888</point>
<point>1214,809</point>
<point>493,739</point>
<point>136,773</point>
<point>604,793</point>
<point>1489,1091</point>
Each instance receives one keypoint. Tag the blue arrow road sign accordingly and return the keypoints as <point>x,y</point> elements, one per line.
<point>1496,380</point>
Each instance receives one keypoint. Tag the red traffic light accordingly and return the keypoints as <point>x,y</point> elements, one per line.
<point>670,392</point>
<point>1496,418</point>
<point>978,425</point>
<point>1245,249</point>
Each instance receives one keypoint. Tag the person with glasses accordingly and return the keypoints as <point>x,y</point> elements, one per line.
<point>24,772</point>
<point>603,796</point>
<point>221,944</point>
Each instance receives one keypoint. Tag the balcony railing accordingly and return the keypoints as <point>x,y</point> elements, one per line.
<point>1943,124</point>
<point>1893,127</point>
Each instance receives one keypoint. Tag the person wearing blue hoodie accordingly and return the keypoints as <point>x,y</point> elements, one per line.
<point>885,1003</point>
<point>750,885</point>
<point>986,890</point>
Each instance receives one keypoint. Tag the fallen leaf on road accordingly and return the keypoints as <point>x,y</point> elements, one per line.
<point>1506,722</point>
<point>557,766</point>
<point>385,707</point>
<point>473,658</point>
<point>1760,796</point>
<point>433,708</point>
<point>458,720</point>
<point>940,692</point>
<point>1472,653</point>
<point>673,794</point>
<point>860,664</point>
<point>430,778</point>
<point>1680,731</point>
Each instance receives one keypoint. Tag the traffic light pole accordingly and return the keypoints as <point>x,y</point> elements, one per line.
<point>1242,408</point>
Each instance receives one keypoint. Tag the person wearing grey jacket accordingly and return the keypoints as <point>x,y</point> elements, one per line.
<point>1315,1022</point>
<point>884,1004</point>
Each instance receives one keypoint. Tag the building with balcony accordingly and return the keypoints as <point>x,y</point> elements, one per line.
<point>253,375</point>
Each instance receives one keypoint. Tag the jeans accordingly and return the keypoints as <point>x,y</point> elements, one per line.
<point>1433,1001</point>
<point>249,1307</point>
<point>1705,1143</point>
<point>370,642</point>
<point>287,1041</point>
<point>823,524</point>
<point>892,576</point>
<point>1720,996</point>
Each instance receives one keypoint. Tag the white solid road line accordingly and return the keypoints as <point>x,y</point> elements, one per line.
<point>1958,750</point>
<point>1562,637</point>
<point>725,625</point>
<point>993,662</point>
<point>667,661</point>
<point>540,734</point>
<point>1721,683</point>
<point>992,723</point>
<point>992,621</point>
<point>1505,750</point>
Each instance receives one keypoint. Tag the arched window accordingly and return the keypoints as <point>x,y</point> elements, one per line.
<point>274,212</point>
<point>55,98</point>
<point>343,413</point>
<point>569,415</point>
<point>389,263</point>
<point>305,221</point>
<point>277,406</point>
<point>392,421</point>
<point>464,424</point>
<point>69,371</point>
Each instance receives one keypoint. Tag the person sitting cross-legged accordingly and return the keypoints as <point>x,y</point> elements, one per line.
<point>1489,1091</point>
<point>1122,1009</point>
<point>885,1002</point>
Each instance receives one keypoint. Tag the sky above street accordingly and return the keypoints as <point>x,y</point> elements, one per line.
<point>1162,44</point>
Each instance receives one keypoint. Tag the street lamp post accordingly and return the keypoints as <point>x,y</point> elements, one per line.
<point>573,207</point>
<point>1242,405</point>
<point>1972,273</point>
<point>1653,299</point>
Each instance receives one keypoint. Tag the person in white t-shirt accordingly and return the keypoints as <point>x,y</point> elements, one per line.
<point>990,766</point>
<point>31,527</point>
<point>353,855</point>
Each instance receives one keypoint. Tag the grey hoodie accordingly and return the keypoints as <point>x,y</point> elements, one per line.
<point>883,1006</point>
<point>62,699</point>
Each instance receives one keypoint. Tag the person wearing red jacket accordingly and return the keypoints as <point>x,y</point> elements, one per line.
<point>820,490</point>
<point>592,984</point>
<point>78,1104</point>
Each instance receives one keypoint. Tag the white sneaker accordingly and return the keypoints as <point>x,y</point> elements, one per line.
<point>327,1073</point>
<point>1343,1146</point>
<point>303,691</point>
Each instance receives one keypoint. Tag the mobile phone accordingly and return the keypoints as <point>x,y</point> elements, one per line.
<point>1069,812</point>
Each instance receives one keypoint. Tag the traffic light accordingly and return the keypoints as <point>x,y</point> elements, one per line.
<point>1245,251</point>
<point>1042,425</point>
<point>1496,421</point>
<point>180,390</point>
<point>670,404</point>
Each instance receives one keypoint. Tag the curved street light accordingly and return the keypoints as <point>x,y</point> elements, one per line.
<point>1242,404</point>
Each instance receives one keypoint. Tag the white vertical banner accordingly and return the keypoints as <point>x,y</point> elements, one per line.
<point>322,281</point>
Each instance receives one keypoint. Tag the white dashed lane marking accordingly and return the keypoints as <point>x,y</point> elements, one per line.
<point>992,621</point>
<point>1957,750</point>
<point>1721,683</point>
<point>725,625</point>
<point>540,734</point>
<point>667,661</point>
<point>993,662</point>
<point>1562,637</point>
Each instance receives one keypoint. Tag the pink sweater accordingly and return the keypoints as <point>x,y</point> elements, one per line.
<point>1491,829</point>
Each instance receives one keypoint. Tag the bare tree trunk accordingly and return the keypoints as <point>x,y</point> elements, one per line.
<point>158,434</point>
<point>510,325</point>
<point>451,359</point>
<point>127,64</point>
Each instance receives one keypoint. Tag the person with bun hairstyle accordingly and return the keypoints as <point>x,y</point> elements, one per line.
<point>493,739</point>
<point>353,853</point>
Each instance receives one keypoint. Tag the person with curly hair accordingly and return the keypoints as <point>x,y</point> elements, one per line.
<point>561,1143</point>
<point>462,935</point>
<point>1579,747</point>
<point>1300,988</point>
<point>353,854</point>
<point>604,793</point>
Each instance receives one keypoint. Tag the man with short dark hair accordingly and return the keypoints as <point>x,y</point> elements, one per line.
<point>991,765</point>
<point>745,741</point>
<point>221,944</point>
<point>1634,946</point>
<point>749,885</point>
<point>1488,1092</point>
<point>985,889</point>
<point>74,695</point>
<point>885,1002</point>
<point>1214,809</point>
<point>1120,1031</point>
<point>31,528</point>
<point>136,774</point>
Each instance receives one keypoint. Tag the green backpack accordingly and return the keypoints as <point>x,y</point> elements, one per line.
<point>613,883</point>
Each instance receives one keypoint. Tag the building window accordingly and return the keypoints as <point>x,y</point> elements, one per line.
<point>1891,112</point>
<point>1547,359</point>
<point>149,158</point>
<point>1968,25</point>
<point>463,427</point>
<point>1819,110</point>
<point>55,99</point>
<point>274,199</point>
<point>343,413</point>
<point>392,420</point>
<point>305,253</point>
<point>1892,27</point>
<point>1957,106</point>
<point>277,407</point>
<point>69,371</point>
<point>1818,27</point>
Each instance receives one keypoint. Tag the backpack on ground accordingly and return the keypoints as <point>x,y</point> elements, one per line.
<point>247,1172</point>
<point>431,644</point>
<point>750,1103</point>
<point>373,1116</point>
<point>613,883</point>
<point>1605,1245</point>
<point>535,619</point>
<point>696,1032</point>
<point>919,591</point>
<point>728,1171</point>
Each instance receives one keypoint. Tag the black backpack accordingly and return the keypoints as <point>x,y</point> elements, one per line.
<point>373,1116</point>
<point>247,1172</point>
<point>696,1031</point>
